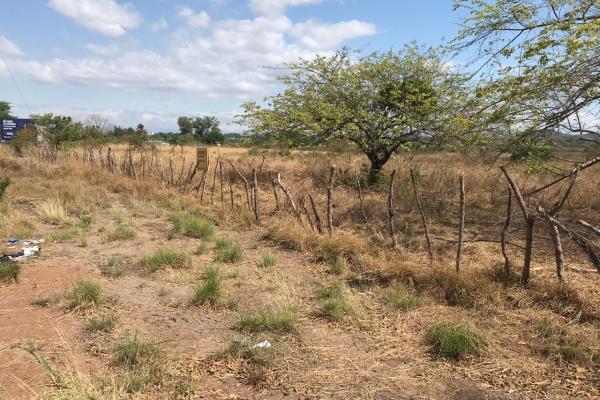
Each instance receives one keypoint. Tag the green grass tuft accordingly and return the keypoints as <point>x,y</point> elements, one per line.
<point>400,299</point>
<point>268,260</point>
<point>273,320</point>
<point>104,323</point>
<point>192,225</point>
<point>121,232</point>
<point>229,253</point>
<point>454,341</point>
<point>338,265</point>
<point>112,268</point>
<point>200,249</point>
<point>334,303</point>
<point>165,258</point>
<point>84,294</point>
<point>66,234</point>
<point>211,289</point>
<point>9,271</point>
<point>133,352</point>
<point>563,344</point>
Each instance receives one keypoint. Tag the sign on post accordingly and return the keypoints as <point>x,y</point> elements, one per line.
<point>202,157</point>
<point>10,128</point>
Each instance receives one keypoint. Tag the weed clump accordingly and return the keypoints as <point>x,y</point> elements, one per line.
<point>112,268</point>
<point>165,258</point>
<point>227,252</point>
<point>334,303</point>
<point>454,341</point>
<point>191,225</point>
<point>338,265</point>
<point>4,183</point>
<point>104,323</point>
<point>134,352</point>
<point>53,212</point>
<point>85,294</point>
<point>121,232</point>
<point>400,299</point>
<point>562,344</point>
<point>9,271</point>
<point>273,320</point>
<point>211,289</point>
<point>268,260</point>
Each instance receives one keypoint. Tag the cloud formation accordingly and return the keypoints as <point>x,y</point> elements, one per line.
<point>107,17</point>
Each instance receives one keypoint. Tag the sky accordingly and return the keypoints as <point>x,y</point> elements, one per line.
<point>151,61</point>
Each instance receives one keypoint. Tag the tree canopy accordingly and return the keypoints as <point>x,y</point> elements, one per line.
<point>379,102</point>
<point>205,129</point>
<point>5,110</point>
<point>541,60</point>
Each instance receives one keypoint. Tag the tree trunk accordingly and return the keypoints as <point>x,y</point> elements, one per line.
<point>377,160</point>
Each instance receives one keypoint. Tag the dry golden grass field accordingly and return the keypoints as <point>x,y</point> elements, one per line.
<point>143,290</point>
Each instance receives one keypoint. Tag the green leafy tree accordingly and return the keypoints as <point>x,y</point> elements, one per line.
<point>5,110</point>
<point>186,125</point>
<point>380,102</point>
<point>139,137</point>
<point>541,63</point>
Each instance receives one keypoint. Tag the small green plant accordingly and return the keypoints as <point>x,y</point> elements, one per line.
<point>230,254</point>
<point>104,323</point>
<point>334,303</point>
<point>211,289</point>
<point>338,265</point>
<point>283,319</point>
<point>112,268</point>
<point>46,301</point>
<point>66,234</point>
<point>222,243</point>
<point>184,389</point>
<point>268,260</point>
<point>121,232</point>
<point>85,221</point>
<point>84,294</point>
<point>200,249</point>
<point>165,258</point>
<point>4,183</point>
<point>454,341</point>
<point>162,292</point>
<point>400,299</point>
<point>9,271</point>
<point>137,381</point>
<point>132,352</point>
<point>192,225</point>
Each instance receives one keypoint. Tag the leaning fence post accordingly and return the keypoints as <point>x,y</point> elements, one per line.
<point>255,188</point>
<point>461,224</point>
<point>391,210</point>
<point>504,235</point>
<point>330,201</point>
<point>423,219</point>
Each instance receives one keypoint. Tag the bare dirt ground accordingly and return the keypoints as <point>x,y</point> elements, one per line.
<point>375,352</point>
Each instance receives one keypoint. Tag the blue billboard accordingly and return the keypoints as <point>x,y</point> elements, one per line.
<point>10,127</point>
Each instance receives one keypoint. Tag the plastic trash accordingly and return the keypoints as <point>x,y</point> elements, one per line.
<point>13,240</point>
<point>24,254</point>
<point>265,344</point>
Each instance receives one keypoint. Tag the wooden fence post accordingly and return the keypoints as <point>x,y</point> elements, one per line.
<point>461,223</point>
<point>423,219</point>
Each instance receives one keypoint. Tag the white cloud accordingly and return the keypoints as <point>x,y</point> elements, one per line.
<point>277,7</point>
<point>316,35</point>
<point>194,20</point>
<point>225,60</point>
<point>104,16</point>
<point>160,25</point>
<point>9,48</point>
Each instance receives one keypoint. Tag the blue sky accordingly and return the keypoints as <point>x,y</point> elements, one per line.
<point>150,61</point>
